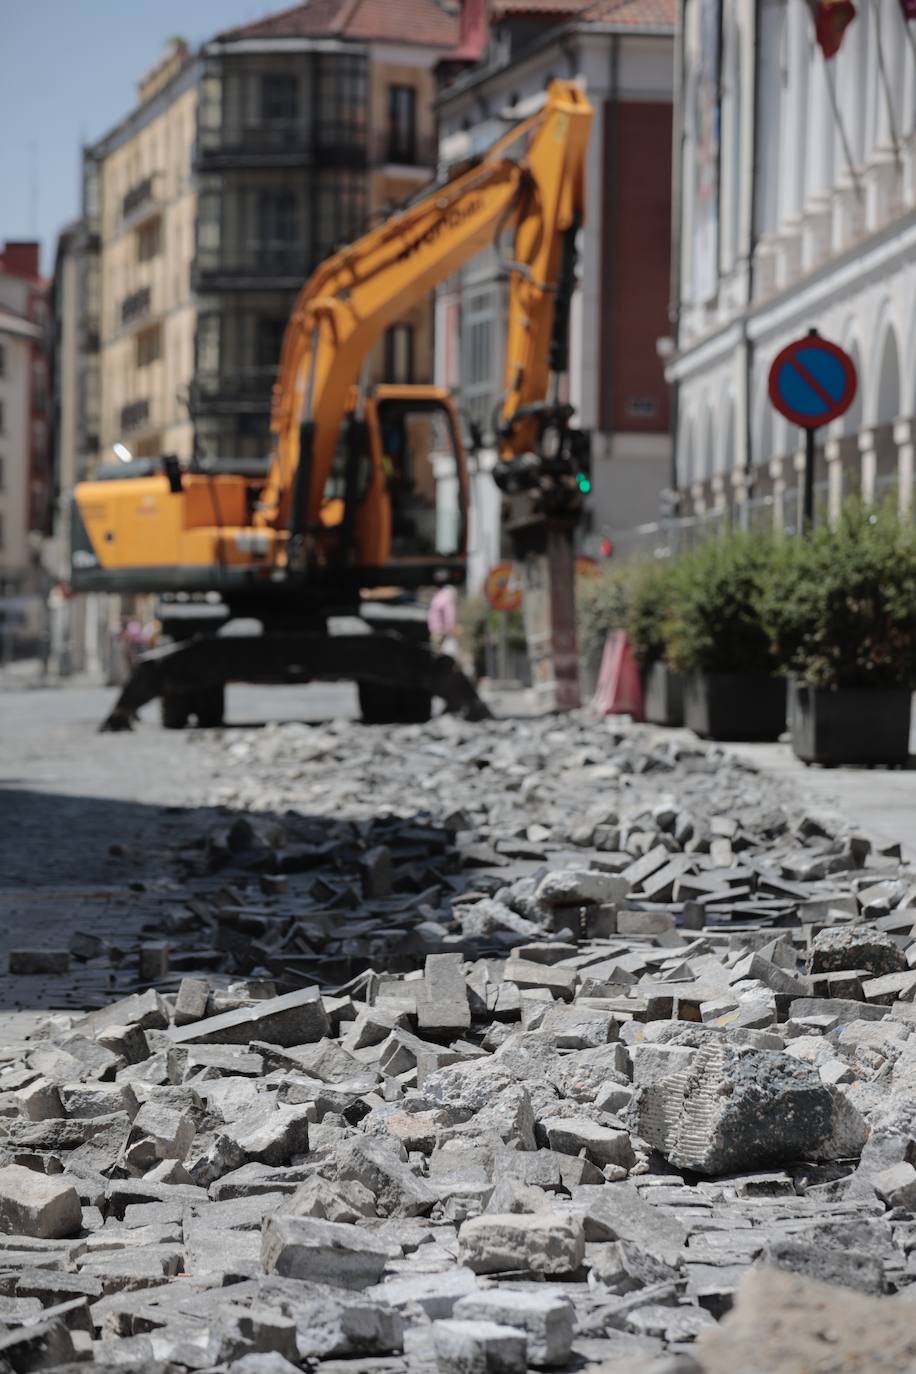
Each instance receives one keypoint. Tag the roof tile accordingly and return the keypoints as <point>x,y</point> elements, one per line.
<point>424,22</point>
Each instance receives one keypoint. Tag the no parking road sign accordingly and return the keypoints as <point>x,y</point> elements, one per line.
<point>502,588</point>
<point>812,381</point>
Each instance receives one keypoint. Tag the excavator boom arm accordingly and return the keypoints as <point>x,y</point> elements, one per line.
<point>532,181</point>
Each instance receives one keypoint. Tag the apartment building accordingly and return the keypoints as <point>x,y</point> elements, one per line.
<point>208,206</point>
<point>796,209</point>
<point>140,209</point>
<point>311,124</point>
<point>25,477</point>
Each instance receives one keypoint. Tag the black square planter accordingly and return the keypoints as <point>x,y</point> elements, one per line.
<point>663,695</point>
<point>853,725</point>
<point>735,706</point>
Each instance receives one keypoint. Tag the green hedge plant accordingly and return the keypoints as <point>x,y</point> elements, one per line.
<point>601,606</point>
<point>840,604</point>
<point>714,623</point>
<point>649,609</point>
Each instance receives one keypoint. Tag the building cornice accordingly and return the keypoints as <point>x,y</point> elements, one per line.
<point>555,37</point>
<point>800,305</point>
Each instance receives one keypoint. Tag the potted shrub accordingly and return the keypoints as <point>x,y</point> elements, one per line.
<point>649,608</point>
<point>716,637</point>
<point>841,611</point>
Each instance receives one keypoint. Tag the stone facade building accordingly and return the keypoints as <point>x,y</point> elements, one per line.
<point>208,206</point>
<point>795,208</point>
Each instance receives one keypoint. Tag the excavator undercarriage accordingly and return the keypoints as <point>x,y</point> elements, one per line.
<point>365,500</point>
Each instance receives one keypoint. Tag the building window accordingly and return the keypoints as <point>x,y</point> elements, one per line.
<point>279,97</point>
<point>402,124</point>
<point>269,343</point>
<point>342,104</point>
<point>277,219</point>
<point>149,241</point>
<point>341,211</point>
<point>399,354</point>
<point>479,351</point>
<point>149,346</point>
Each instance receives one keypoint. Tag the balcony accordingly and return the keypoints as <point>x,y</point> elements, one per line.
<point>135,416</point>
<point>233,390</point>
<point>253,265</point>
<point>420,154</point>
<point>136,307</point>
<point>262,145</point>
<point>88,333</point>
<point>139,204</point>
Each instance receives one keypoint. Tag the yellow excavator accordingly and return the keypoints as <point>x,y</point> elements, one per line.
<point>365,498</point>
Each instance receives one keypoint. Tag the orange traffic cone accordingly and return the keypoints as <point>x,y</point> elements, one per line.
<point>619,690</point>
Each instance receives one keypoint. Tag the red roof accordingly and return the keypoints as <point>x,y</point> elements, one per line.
<point>628,13</point>
<point>425,22</point>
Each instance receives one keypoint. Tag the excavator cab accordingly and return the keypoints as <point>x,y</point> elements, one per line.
<point>394,505</point>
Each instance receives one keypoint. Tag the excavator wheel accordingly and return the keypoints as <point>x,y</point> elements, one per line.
<point>206,704</point>
<point>209,706</point>
<point>383,705</point>
<point>175,709</point>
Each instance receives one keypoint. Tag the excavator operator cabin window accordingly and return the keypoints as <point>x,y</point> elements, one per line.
<point>422,479</point>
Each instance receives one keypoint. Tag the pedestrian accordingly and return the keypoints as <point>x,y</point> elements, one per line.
<point>442,618</point>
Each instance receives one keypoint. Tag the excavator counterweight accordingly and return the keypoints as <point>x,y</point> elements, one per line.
<point>365,498</point>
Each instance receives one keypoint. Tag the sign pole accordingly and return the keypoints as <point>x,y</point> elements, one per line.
<point>808,515</point>
<point>808,521</point>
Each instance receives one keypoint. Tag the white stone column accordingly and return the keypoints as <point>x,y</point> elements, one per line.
<point>739,480</point>
<point>905,439</point>
<point>868,460</point>
<point>833,455</point>
<point>818,210</point>
<point>698,497</point>
<point>798,464</point>
<point>718,492</point>
<point>849,76</point>
<point>793,150</point>
<point>779,495</point>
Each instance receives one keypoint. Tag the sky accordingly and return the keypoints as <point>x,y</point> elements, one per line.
<point>68,72</point>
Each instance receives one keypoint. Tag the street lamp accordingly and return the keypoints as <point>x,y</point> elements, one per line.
<point>123,452</point>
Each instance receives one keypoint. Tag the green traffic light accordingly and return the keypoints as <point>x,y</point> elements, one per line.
<point>583,482</point>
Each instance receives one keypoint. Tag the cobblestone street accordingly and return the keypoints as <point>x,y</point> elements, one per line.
<point>540,1031</point>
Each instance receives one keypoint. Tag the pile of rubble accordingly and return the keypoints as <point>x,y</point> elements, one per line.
<point>510,1046</point>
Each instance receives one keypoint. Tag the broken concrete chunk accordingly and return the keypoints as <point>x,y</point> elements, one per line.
<point>443,1004</point>
<point>601,1144</point>
<point>33,1204</point>
<point>841,948</point>
<point>39,962</point>
<point>296,1018</point>
<point>542,1243</point>
<point>479,1347</point>
<point>322,1252</point>
<point>580,887</point>
<point>547,1318</point>
<point>732,1109</point>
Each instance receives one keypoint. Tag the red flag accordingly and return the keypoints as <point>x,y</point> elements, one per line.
<point>909,8</point>
<point>831,20</point>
